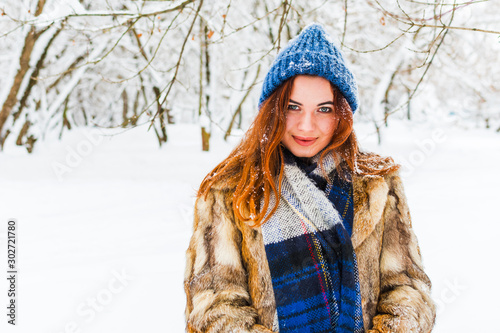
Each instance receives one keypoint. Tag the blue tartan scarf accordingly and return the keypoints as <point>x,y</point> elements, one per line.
<point>310,253</point>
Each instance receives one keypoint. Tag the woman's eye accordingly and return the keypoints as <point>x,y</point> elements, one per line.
<point>325,109</point>
<point>293,107</point>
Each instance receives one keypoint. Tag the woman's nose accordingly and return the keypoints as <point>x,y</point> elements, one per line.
<point>306,122</point>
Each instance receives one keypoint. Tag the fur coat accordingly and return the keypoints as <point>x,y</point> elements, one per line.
<point>228,282</point>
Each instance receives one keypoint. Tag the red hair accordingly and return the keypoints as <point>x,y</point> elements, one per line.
<point>253,167</point>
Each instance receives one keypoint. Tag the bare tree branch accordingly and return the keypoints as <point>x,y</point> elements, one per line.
<point>168,88</point>
<point>240,106</point>
<point>131,15</point>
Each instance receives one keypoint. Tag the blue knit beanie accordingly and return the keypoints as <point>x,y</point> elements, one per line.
<point>313,53</point>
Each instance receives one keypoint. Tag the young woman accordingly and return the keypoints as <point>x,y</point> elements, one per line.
<point>297,230</point>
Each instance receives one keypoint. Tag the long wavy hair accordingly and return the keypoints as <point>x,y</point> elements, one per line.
<point>254,169</point>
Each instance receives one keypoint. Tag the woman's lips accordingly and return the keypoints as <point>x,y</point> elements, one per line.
<point>304,141</point>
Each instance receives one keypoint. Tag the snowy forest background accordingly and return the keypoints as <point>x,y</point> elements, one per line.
<point>112,112</point>
<point>67,64</point>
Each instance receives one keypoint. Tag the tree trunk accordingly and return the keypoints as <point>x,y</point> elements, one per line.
<point>135,117</point>
<point>22,133</point>
<point>162,135</point>
<point>24,64</point>
<point>386,95</point>
<point>408,106</point>
<point>34,76</point>
<point>205,139</point>
<point>204,65</point>
<point>125,108</point>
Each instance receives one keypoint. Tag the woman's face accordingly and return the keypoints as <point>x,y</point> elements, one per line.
<point>311,118</point>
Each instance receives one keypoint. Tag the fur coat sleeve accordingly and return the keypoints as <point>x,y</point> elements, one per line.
<point>219,272</point>
<point>404,303</point>
<point>228,283</point>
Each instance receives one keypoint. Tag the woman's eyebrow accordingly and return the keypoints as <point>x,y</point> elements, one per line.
<point>324,103</point>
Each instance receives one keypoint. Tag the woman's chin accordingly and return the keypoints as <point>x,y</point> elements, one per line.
<point>301,151</point>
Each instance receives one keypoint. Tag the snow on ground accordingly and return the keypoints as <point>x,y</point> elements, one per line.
<point>104,221</point>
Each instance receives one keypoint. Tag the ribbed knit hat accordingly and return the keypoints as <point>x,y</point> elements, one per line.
<point>311,52</point>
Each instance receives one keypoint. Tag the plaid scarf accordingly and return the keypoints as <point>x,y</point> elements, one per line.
<point>310,254</point>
